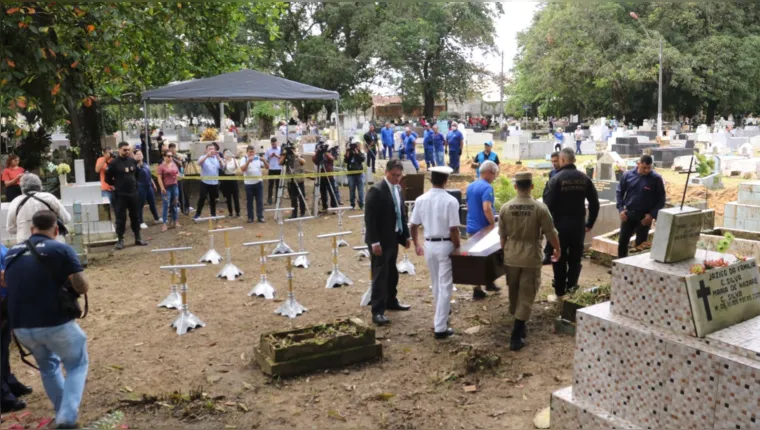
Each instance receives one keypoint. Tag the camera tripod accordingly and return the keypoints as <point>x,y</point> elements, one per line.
<point>331,185</point>
<point>286,171</point>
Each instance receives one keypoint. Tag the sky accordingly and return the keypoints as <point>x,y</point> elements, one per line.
<point>517,17</point>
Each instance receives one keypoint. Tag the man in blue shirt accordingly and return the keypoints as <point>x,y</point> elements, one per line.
<point>386,135</point>
<point>640,196</point>
<point>427,144</point>
<point>559,137</point>
<point>38,320</point>
<point>454,142</point>
<point>210,164</point>
<point>480,210</point>
<point>486,155</point>
<point>410,144</point>
<point>438,143</point>
<point>10,388</point>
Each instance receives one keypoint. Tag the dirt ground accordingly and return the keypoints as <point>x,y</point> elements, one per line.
<point>418,383</point>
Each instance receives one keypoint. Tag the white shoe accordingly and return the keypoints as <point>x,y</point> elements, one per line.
<point>158,221</point>
<point>143,226</point>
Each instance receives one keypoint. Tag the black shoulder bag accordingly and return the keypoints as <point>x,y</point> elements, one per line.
<point>62,230</point>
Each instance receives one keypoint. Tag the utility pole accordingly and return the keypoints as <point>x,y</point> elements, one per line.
<point>501,91</point>
<point>659,97</point>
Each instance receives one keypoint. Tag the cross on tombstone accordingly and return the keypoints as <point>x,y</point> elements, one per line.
<point>703,293</point>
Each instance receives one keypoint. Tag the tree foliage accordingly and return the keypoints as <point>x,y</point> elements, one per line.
<point>428,47</point>
<point>600,61</point>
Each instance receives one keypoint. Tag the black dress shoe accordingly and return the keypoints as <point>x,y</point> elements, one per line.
<point>20,390</point>
<point>398,307</point>
<point>492,287</point>
<point>12,405</point>
<point>140,242</point>
<point>380,320</point>
<point>478,294</point>
<point>119,245</point>
<point>443,335</point>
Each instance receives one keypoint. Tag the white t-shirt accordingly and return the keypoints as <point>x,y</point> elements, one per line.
<point>254,169</point>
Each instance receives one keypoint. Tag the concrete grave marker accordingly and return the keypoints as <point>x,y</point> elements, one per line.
<point>605,166</point>
<point>677,234</point>
<point>724,296</point>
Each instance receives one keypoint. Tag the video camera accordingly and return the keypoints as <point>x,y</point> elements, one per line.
<point>289,147</point>
<point>352,145</point>
<point>321,145</point>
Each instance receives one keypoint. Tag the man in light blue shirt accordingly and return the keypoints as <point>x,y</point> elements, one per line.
<point>210,164</point>
<point>272,157</point>
<point>438,145</point>
<point>454,141</point>
<point>386,135</point>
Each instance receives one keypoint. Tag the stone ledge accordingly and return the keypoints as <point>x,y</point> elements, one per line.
<point>569,413</point>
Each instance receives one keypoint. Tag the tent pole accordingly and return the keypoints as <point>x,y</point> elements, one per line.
<point>337,129</point>
<point>221,117</point>
<point>121,121</point>
<point>146,150</point>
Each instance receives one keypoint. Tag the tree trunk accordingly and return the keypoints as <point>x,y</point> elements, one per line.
<point>711,107</point>
<point>86,128</point>
<point>429,95</point>
<point>213,109</point>
<point>266,127</point>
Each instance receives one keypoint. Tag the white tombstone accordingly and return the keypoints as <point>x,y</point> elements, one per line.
<point>677,234</point>
<point>605,166</point>
<point>746,150</point>
<point>79,172</point>
<point>755,142</point>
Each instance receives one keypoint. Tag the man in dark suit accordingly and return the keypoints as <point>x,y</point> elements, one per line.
<point>387,228</point>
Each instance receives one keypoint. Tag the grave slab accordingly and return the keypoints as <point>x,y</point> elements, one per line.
<point>677,234</point>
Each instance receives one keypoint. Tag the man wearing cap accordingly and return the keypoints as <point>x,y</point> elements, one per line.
<point>480,211</point>
<point>522,223</point>
<point>454,142</point>
<point>438,212</point>
<point>565,195</point>
<point>486,155</point>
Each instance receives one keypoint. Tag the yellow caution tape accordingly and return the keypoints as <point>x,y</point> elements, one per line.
<point>270,177</point>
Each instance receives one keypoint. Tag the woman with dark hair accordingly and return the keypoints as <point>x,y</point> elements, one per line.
<point>11,177</point>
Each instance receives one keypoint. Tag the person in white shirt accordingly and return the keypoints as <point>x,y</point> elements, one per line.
<point>438,212</point>
<point>252,165</point>
<point>32,200</point>
<point>272,158</point>
<point>283,129</point>
<point>578,139</point>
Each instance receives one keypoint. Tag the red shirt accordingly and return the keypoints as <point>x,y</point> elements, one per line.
<point>168,173</point>
<point>11,173</point>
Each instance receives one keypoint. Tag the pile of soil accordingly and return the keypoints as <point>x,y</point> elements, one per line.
<point>716,199</point>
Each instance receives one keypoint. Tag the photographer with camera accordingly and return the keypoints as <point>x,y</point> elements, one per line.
<point>324,159</point>
<point>44,278</point>
<point>293,165</point>
<point>370,142</point>
<point>354,160</point>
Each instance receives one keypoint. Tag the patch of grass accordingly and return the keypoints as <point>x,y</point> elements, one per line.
<point>591,296</point>
<point>192,406</point>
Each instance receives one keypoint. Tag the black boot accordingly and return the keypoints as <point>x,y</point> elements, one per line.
<point>139,241</point>
<point>516,341</point>
<point>119,244</point>
<point>492,287</point>
<point>478,294</point>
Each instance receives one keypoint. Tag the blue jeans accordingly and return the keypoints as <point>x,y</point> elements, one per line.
<point>52,346</point>
<point>439,157</point>
<point>356,183</point>
<point>388,150</point>
<point>454,159</point>
<point>255,191</point>
<point>171,200</point>
<point>412,156</point>
<point>577,146</point>
<point>146,194</point>
<point>430,157</point>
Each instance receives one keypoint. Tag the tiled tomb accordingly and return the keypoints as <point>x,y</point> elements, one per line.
<point>744,214</point>
<point>639,364</point>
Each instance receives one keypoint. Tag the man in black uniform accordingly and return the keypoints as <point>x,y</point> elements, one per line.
<point>370,142</point>
<point>122,175</point>
<point>565,196</point>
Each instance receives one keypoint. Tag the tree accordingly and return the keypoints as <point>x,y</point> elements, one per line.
<point>427,47</point>
<point>60,60</point>
<point>601,61</point>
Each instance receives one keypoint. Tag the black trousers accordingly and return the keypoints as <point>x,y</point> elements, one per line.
<point>6,377</point>
<point>371,156</point>
<point>124,204</point>
<point>384,279</point>
<point>568,269</point>
<point>272,184</point>
<point>628,229</point>
<point>231,193</point>
<point>213,194</point>
<point>296,196</point>
<point>327,188</point>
